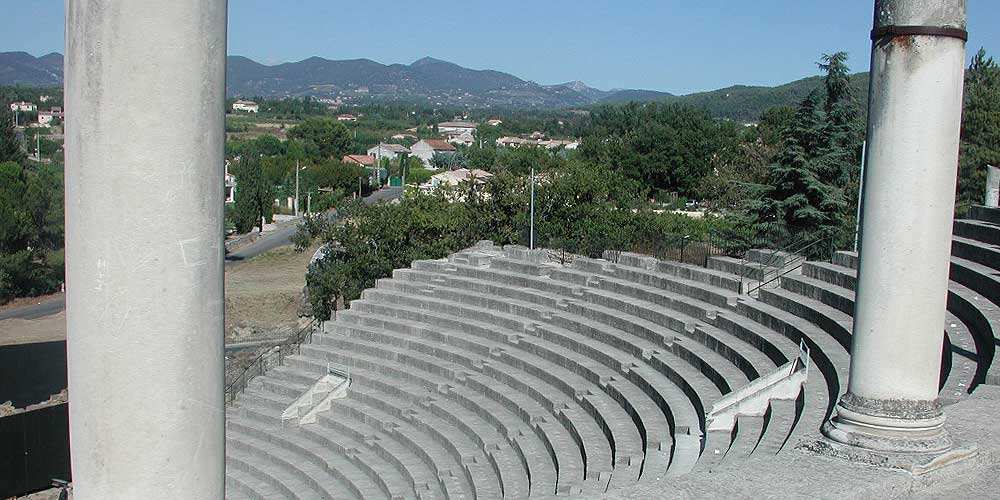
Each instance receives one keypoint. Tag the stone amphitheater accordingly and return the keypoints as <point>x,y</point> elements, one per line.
<point>499,373</point>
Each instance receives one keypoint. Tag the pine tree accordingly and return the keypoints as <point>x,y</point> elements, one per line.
<point>980,130</point>
<point>806,193</point>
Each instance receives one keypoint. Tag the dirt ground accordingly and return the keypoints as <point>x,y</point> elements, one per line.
<point>263,298</point>
<point>264,294</point>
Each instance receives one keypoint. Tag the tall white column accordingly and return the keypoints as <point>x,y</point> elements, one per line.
<point>915,108</point>
<point>145,94</point>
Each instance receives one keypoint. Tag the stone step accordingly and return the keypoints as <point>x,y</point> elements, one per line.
<point>340,458</point>
<point>708,362</point>
<point>445,473</point>
<point>579,410</point>
<point>981,253</point>
<point>985,214</point>
<point>306,479</point>
<point>983,232</point>
<point>555,439</point>
<point>462,445</point>
<point>748,432</point>
<point>242,485</point>
<point>780,419</point>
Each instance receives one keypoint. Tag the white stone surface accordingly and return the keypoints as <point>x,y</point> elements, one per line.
<point>145,86</point>
<point>908,202</point>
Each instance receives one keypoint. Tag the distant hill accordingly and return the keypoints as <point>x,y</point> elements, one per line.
<point>21,68</point>
<point>438,82</point>
<point>622,96</point>
<point>745,104</point>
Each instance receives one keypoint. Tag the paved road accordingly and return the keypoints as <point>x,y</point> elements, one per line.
<point>268,242</point>
<point>36,311</point>
<point>283,236</point>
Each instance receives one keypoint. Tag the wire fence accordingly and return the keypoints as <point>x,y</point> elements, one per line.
<point>271,357</point>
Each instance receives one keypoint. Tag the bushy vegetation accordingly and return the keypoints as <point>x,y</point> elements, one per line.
<point>579,209</point>
<point>31,221</point>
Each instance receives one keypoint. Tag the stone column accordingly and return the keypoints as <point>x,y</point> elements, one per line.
<point>915,108</point>
<point>145,95</point>
<point>992,186</point>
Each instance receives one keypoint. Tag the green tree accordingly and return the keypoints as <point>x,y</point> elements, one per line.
<point>10,147</point>
<point>980,144</point>
<point>31,230</point>
<point>254,197</point>
<point>668,147</point>
<point>324,137</point>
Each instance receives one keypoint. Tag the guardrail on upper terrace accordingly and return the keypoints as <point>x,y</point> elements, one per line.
<point>271,357</point>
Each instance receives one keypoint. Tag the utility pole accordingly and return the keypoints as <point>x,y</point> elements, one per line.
<point>38,147</point>
<point>296,188</point>
<point>309,202</point>
<point>531,237</point>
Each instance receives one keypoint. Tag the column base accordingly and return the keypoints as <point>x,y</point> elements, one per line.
<point>889,426</point>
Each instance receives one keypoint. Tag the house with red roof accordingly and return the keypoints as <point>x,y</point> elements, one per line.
<point>363,160</point>
<point>426,149</point>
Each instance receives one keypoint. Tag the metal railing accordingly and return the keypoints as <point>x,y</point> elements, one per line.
<point>785,261</point>
<point>271,357</point>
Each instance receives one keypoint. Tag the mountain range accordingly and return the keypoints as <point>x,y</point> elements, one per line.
<point>436,82</point>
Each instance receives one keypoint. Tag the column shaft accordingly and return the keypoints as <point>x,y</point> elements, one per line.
<point>145,95</point>
<point>915,107</point>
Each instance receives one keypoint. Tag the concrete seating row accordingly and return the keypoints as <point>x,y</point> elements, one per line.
<point>502,373</point>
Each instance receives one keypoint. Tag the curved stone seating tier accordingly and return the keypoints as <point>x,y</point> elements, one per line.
<point>364,474</point>
<point>356,430</point>
<point>773,332</point>
<point>961,373</point>
<point>558,390</point>
<point>500,374</point>
<point>604,319</point>
<point>653,426</point>
<point>388,385</point>
<point>488,400</point>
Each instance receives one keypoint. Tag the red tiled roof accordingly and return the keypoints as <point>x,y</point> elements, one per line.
<point>359,159</point>
<point>440,145</point>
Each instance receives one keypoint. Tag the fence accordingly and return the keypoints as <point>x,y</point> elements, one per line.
<point>271,357</point>
<point>34,450</point>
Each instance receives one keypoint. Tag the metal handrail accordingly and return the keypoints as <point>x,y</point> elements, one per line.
<point>800,257</point>
<point>272,356</point>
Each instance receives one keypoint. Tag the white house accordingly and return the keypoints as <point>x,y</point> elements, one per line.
<point>23,106</point>
<point>347,118</point>
<point>455,177</point>
<point>426,148</point>
<point>460,127</point>
<point>387,151</point>
<point>494,122</point>
<point>464,138</point>
<point>248,106</point>
<point>45,119</point>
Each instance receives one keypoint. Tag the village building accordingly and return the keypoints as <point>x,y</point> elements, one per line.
<point>246,106</point>
<point>23,106</point>
<point>387,151</point>
<point>346,117</point>
<point>494,122</point>
<point>427,148</point>
<point>363,160</point>
<point>463,139</point>
<point>457,126</point>
<point>451,178</point>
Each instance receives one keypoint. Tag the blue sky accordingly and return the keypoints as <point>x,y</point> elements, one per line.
<point>679,46</point>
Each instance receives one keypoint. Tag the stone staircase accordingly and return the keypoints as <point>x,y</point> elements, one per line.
<point>497,373</point>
